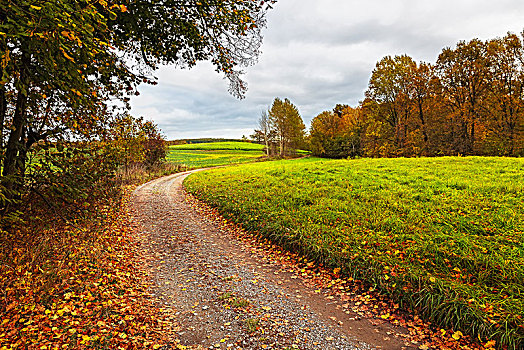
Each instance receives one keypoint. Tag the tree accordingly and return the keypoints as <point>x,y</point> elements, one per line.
<point>390,88</point>
<point>463,74</point>
<point>226,32</point>
<point>154,145</point>
<point>505,104</point>
<point>323,129</point>
<point>422,90</point>
<point>352,126</point>
<point>337,133</point>
<point>287,125</point>
<point>265,130</point>
<point>55,71</point>
<point>136,141</point>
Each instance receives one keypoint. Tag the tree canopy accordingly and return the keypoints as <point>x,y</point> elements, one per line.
<point>287,125</point>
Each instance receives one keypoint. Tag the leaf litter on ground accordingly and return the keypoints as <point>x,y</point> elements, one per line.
<point>78,287</point>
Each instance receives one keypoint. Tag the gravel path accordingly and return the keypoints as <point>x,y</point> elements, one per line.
<point>225,294</point>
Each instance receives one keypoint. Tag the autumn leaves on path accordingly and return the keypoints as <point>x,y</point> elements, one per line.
<point>226,290</point>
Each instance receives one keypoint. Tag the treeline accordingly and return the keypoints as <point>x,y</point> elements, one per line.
<point>200,140</point>
<point>470,102</point>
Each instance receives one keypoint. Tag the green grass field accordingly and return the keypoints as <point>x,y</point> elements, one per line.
<point>202,155</point>
<point>442,235</point>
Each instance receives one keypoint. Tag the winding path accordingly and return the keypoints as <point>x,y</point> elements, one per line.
<point>224,294</point>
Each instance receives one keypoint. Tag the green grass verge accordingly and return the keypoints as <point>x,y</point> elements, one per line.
<point>202,155</point>
<point>443,236</point>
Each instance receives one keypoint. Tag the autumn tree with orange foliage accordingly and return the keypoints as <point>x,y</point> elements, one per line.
<point>337,133</point>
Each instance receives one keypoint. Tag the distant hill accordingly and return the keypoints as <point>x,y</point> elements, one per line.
<point>203,140</point>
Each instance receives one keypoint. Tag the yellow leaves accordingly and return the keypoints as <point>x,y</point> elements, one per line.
<point>432,279</point>
<point>336,270</point>
<point>78,93</point>
<point>38,8</point>
<point>123,8</point>
<point>71,36</point>
<point>490,344</point>
<point>457,335</point>
<point>66,55</point>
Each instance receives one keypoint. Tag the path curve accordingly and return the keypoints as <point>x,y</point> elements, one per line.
<point>223,294</point>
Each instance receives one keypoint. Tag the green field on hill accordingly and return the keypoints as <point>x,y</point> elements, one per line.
<point>442,235</point>
<point>202,155</point>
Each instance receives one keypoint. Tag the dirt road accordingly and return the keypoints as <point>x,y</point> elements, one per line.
<point>225,293</point>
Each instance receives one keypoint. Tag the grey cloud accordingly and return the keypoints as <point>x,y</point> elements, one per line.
<point>318,54</point>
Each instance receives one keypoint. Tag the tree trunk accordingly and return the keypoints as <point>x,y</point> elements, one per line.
<point>423,127</point>
<point>13,143</point>
<point>3,101</point>
<point>472,137</point>
<point>15,137</point>
<point>266,141</point>
<point>3,111</point>
<point>511,143</point>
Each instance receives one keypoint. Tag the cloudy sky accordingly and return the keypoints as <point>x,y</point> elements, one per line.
<point>318,53</point>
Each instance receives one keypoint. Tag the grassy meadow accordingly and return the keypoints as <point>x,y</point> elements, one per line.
<point>202,155</point>
<point>444,236</point>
